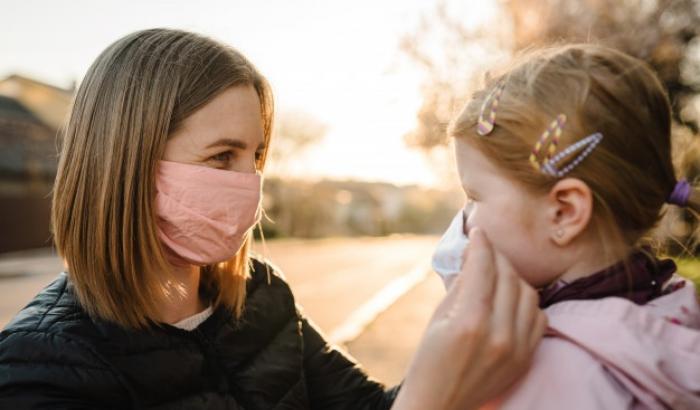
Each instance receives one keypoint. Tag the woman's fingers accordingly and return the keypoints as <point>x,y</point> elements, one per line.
<point>539,327</point>
<point>477,280</point>
<point>505,308</point>
<point>526,314</point>
<point>446,306</point>
<point>468,354</point>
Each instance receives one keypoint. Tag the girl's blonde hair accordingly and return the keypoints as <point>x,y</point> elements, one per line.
<point>598,89</point>
<point>136,94</point>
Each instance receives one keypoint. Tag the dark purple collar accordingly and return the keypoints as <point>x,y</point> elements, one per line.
<point>641,281</point>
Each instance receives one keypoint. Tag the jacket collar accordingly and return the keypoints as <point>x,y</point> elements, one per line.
<point>640,278</point>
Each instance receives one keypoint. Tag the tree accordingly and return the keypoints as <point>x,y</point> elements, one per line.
<point>664,33</point>
<point>449,52</point>
<point>294,132</point>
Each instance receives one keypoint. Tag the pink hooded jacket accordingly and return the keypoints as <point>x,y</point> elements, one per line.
<point>614,354</point>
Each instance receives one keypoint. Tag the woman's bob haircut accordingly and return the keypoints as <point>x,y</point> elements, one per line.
<point>137,92</point>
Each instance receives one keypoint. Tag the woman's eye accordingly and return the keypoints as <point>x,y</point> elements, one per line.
<point>222,157</point>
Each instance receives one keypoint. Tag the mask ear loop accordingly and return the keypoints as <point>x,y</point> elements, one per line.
<point>487,116</point>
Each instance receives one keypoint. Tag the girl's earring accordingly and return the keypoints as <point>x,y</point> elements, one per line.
<point>559,233</point>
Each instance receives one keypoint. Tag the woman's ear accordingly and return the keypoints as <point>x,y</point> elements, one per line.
<point>570,205</point>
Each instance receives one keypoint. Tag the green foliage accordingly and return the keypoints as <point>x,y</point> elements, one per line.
<point>690,268</point>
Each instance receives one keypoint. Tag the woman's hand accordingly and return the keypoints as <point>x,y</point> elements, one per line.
<point>480,339</point>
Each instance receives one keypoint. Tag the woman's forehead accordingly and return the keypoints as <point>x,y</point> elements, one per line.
<point>233,116</point>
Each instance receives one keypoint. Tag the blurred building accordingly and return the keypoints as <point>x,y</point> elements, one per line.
<point>31,113</point>
<point>306,209</point>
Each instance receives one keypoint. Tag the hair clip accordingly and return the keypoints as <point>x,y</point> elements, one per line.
<point>587,144</point>
<point>548,142</point>
<point>487,121</point>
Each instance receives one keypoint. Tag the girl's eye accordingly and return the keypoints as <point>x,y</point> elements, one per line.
<point>258,156</point>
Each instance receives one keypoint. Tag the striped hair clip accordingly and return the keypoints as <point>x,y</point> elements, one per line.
<point>487,116</point>
<point>544,159</point>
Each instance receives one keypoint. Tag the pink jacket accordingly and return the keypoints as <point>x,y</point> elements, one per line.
<point>613,354</point>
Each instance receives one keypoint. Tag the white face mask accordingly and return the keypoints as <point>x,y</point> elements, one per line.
<point>447,258</point>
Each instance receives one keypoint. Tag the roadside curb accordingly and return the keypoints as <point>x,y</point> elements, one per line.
<point>355,324</point>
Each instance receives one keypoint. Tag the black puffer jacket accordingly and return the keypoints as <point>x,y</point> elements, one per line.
<point>53,356</point>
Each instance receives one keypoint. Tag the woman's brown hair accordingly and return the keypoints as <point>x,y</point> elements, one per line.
<point>598,89</point>
<point>136,93</point>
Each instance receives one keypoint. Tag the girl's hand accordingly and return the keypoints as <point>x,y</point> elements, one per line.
<point>480,339</point>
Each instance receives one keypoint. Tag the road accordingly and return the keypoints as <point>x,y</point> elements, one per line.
<point>332,278</point>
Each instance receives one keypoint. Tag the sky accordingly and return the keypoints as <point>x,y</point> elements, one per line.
<point>338,61</point>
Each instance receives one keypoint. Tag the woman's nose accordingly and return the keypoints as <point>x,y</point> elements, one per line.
<point>247,165</point>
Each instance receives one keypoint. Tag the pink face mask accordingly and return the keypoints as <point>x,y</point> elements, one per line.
<point>204,214</point>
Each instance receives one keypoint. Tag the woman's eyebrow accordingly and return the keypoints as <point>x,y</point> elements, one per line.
<point>228,142</point>
<point>233,143</point>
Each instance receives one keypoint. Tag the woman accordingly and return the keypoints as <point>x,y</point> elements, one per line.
<point>157,190</point>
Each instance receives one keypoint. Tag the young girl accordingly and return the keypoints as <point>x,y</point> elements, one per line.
<point>158,187</point>
<point>566,163</point>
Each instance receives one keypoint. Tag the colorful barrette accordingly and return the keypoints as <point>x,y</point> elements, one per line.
<point>547,142</point>
<point>487,120</point>
<point>549,162</point>
<point>587,145</point>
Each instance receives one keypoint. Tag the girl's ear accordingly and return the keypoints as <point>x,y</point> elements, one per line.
<point>570,206</point>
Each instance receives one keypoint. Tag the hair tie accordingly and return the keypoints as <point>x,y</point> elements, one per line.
<point>680,194</point>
